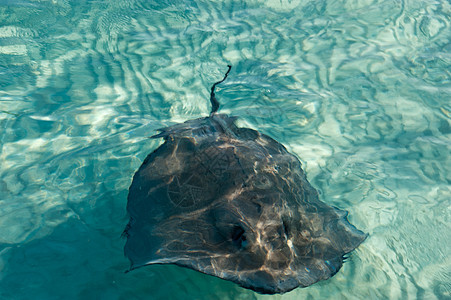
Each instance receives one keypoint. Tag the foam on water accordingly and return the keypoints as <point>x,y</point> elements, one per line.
<point>358,89</point>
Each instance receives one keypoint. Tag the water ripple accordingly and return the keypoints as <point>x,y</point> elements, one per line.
<point>358,89</point>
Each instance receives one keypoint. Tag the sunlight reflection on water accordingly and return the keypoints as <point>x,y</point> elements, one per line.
<point>359,90</point>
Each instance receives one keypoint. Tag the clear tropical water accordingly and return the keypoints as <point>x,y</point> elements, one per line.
<point>359,90</point>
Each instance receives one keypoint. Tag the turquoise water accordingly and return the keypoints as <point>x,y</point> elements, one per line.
<point>359,90</point>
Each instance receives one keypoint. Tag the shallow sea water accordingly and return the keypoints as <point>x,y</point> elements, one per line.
<point>359,90</point>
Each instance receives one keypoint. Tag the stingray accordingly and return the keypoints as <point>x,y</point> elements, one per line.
<point>233,203</point>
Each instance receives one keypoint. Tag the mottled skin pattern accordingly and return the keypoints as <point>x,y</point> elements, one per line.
<point>233,203</point>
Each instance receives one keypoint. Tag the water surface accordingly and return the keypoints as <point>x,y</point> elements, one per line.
<point>359,90</point>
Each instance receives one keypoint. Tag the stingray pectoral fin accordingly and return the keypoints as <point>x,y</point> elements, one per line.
<point>345,234</point>
<point>159,135</point>
<point>142,248</point>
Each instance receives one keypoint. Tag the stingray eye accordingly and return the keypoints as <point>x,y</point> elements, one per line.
<point>238,236</point>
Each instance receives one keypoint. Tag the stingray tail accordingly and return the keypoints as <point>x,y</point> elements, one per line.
<point>213,100</point>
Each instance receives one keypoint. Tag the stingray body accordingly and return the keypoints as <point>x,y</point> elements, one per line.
<point>233,203</point>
